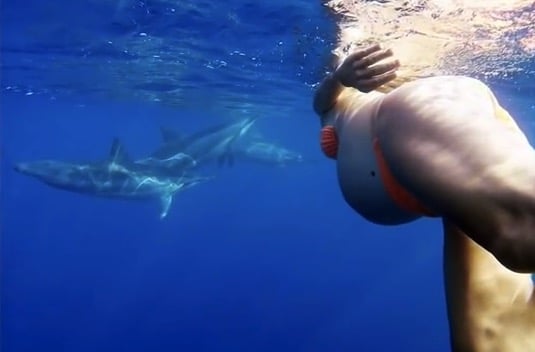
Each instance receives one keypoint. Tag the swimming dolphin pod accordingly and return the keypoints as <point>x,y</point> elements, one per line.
<point>166,171</point>
<point>116,177</point>
<point>216,143</point>
<point>225,144</point>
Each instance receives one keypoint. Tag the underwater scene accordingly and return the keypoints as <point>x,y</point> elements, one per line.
<point>194,175</point>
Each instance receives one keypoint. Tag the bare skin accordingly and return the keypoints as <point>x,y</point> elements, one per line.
<point>481,175</point>
<point>451,145</point>
<point>490,308</point>
<point>356,72</point>
<point>473,178</point>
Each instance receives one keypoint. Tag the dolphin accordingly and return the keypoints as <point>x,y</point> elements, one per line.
<point>116,177</point>
<point>263,152</point>
<point>211,144</point>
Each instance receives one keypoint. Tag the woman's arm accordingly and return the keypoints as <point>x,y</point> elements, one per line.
<point>358,72</point>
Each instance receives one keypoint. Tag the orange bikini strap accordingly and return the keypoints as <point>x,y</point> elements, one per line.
<point>400,196</point>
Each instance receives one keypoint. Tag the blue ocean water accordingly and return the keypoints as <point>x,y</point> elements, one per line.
<point>259,258</point>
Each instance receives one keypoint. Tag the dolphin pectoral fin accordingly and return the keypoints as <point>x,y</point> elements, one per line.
<point>226,158</point>
<point>170,135</point>
<point>229,155</point>
<point>230,159</point>
<point>166,201</point>
<point>221,160</point>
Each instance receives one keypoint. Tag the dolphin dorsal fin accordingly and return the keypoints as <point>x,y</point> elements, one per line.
<point>118,153</point>
<point>166,200</point>
<point>170,135</point>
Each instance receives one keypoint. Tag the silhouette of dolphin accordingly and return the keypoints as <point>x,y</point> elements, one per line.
<point>116,177</point>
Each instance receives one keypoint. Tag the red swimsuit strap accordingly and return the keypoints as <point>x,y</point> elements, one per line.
<point>400,196</point>
<point>398,193</point>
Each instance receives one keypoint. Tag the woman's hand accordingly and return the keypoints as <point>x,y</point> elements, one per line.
<point>361,71</point>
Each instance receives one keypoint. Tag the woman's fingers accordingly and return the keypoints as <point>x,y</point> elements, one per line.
<point>359,54</point>
<point>372,58</point>
<point>377,70</point>
<point>367,85</point>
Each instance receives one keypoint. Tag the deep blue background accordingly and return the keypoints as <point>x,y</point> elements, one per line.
<point>259,259</point>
